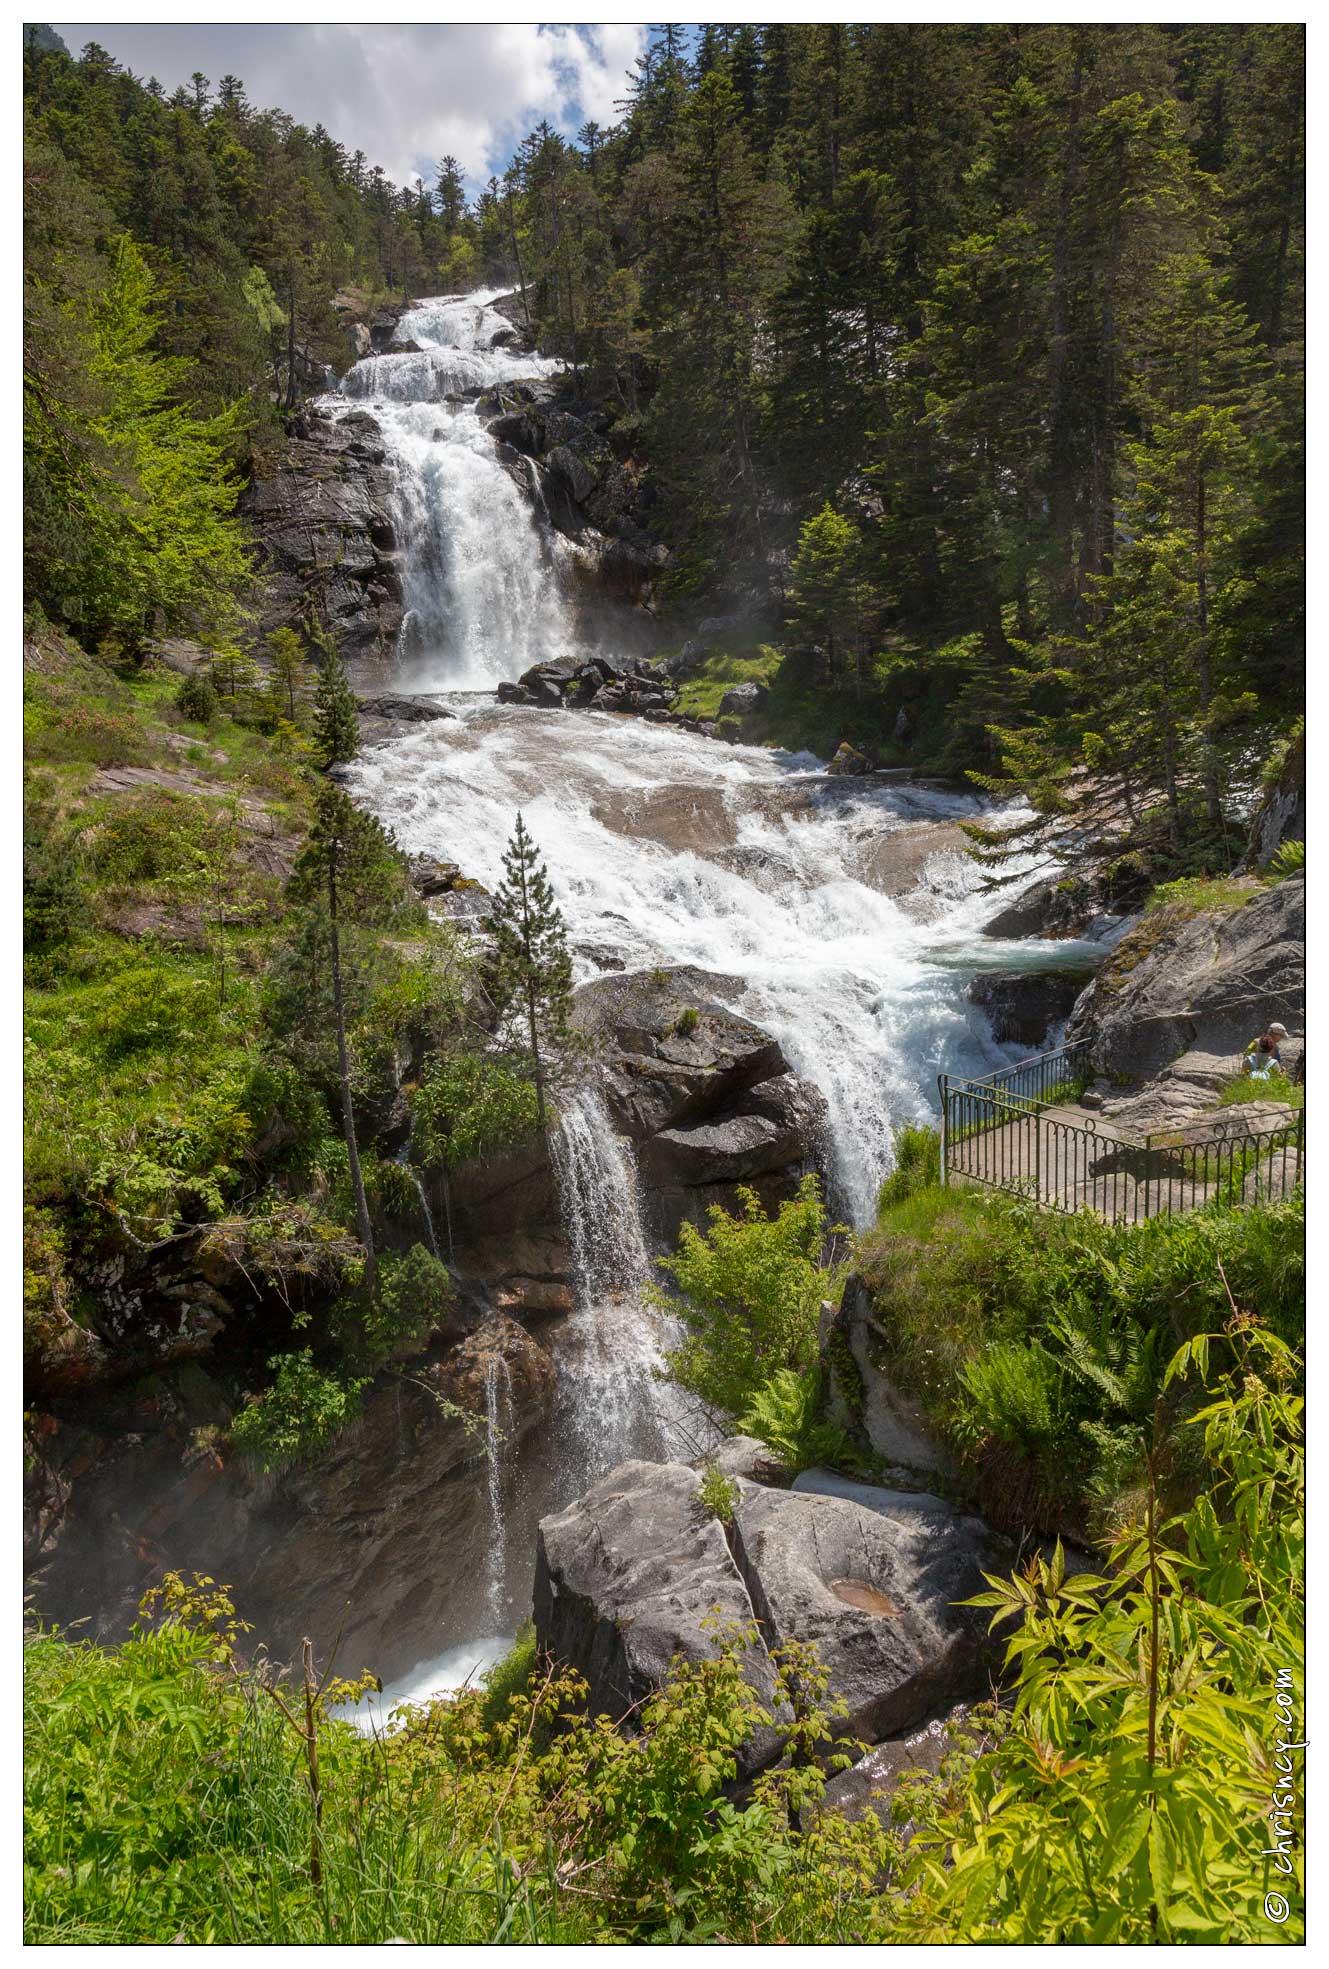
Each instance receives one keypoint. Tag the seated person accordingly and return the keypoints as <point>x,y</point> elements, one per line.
<point>1262,1056</point>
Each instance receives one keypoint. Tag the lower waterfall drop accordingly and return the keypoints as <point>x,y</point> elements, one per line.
<point>498,1432</point>
<point>613,1350</point>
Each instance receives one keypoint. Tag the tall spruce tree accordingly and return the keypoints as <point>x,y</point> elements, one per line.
<point>336,716</point>
<point>530,975</point>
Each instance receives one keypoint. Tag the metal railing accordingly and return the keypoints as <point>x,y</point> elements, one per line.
<point>1062,1073</point>
<point>1009,1141</point>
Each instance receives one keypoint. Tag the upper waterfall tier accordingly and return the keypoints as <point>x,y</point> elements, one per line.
<point>480,578</point>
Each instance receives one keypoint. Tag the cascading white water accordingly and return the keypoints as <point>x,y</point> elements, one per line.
<point>665,848</point>
<point>615,1402</point>
<point>479,575</point>
<point>498,1433</point>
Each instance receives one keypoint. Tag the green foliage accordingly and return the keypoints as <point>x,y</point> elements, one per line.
<point>1151,1707</point>
<point>197,699</point>
<point>1036,1342</point>
<point>1275,1086</point>
<point>336,715</point>
<point>529,971</point>
<point>917,1166</point>
<point>686,1022</point>
<point>718,1494</point>
<point>412,1294</point>
<point>785,1414</point>
<point>147,537</point>
<point>750,1290</point>
<point>472,1104</point>
<point>1288,859</point>
<point>297,1415</point>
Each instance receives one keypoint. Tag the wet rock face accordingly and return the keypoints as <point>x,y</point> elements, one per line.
<point>323,524</point>
<point>635,1572</point>
<point>387,1533</point>
<point>705,1095</point>
<point>1208,983</point>
<point>1023,1006</point>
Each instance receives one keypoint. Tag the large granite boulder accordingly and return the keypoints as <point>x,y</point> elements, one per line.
<point>636,1573</point>
<point>875,1588</point>
<point>1206,981</point>
<point>705,1094</point>
<point>633,1575</point>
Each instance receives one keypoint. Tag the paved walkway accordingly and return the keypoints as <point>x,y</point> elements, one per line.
<point>1072,1160</point>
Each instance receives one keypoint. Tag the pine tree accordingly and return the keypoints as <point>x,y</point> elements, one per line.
<point>829,594</point>
<point>290,673</point>
<point>336,716</point>
<point>530,975</point>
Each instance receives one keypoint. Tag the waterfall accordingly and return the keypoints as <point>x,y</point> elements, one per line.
<point>613,1399</point>
<point>598,1189</point>
<point>498,1432</point>
<point>480,581</point>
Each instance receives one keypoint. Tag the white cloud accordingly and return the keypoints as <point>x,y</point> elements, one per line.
<point>404,94</point>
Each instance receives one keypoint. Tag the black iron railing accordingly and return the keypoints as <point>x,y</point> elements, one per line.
<point>1004,1132</point>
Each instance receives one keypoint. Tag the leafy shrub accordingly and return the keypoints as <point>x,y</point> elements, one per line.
<point>1288,859</point>
<point>295,1418</point>
<point>1014,1391</point>
<point>510,1678</point>
<point>751,1290</point>
<point>718,1494</point>
<point>1118,1806</point>
<point>412,1295</point>
<point>686,1022</point>
<point>197,698</point>
<point>472,1105</point>
<point>785,1415</point>
<point>958,1275</point>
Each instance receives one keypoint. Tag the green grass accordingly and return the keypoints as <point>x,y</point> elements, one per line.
<point>1194,894</point>
<point>1243,1087</point>
<point>797,715</point>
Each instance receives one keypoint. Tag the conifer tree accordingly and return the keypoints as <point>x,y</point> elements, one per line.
<point>290,673</point>
<point>336,717</point>
<point>531,969</point>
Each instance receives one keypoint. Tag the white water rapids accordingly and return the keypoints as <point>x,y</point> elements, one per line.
<point>836,914</point>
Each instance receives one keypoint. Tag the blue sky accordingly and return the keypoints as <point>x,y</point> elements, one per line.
<point>405,94</point>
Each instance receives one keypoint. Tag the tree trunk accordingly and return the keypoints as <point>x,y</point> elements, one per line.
<point>1212,802</point>
<point>535,1057</point>
<point>363,1225</point>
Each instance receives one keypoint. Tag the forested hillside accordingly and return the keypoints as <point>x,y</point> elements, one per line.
<point>978,349</point>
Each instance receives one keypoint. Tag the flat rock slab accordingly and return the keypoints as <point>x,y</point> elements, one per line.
<point>876,1592</point>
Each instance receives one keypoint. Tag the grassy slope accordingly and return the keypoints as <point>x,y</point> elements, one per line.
<point>141,1016</point>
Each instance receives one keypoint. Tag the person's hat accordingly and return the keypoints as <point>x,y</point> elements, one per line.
<point>1280,1030</point>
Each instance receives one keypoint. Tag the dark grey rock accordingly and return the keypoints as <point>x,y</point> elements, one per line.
<point>876,1592</point>
<point>1208,982</point>
<point>403,709</point>
<point>743,700</point>
<point>632,1575</point>
<point>1023,1006</point>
